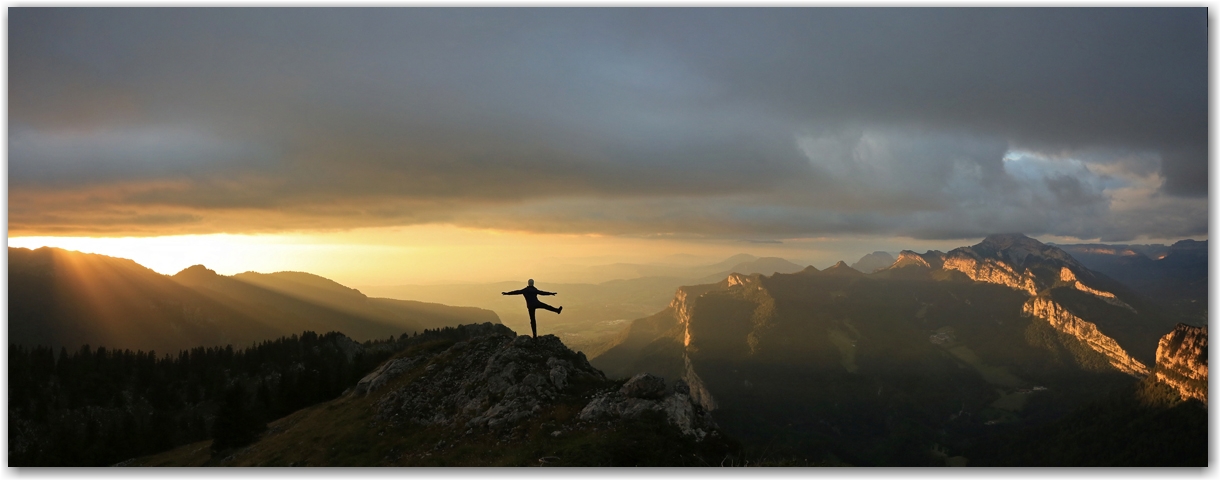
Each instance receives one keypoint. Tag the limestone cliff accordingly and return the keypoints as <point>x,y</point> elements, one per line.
<point>1011,260</point>
<point>1066,275</point>
<point>682,305</point>
<point>1064,321</point>
<point>1181,361</point>
<point>989,270</point>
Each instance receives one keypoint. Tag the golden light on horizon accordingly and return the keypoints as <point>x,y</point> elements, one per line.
<point>425,254</point>
<point>447,254</point>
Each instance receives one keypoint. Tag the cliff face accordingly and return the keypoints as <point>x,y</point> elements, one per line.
<point>1064,321</point>
<point>1181,361</point>
<point>991,271</point>
<point>682,305</point>
<point>1011,260</point>
<point>1066,275</point>
<point>1037,269</point>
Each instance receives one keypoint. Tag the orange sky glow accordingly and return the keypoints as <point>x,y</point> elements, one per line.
<point>437,254</point>
<point>443,254</point>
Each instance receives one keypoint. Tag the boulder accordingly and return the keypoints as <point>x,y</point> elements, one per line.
<point>644,385</point>
<point>679,409</point>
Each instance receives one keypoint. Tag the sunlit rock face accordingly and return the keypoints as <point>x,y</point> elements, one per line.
<point>739,279</point>
<point>992,271</point>
<point>1181,361</point>
<point>1010,260</point>
<point>1067,276</point>
<point>1034,268</point>
<point>1064,321</point>
<point>682,308</point>
<point>682,304</point>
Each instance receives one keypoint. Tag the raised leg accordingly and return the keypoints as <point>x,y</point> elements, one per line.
<point>548,307</point>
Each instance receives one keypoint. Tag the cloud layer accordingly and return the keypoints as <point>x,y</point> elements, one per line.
<point>937,123</point>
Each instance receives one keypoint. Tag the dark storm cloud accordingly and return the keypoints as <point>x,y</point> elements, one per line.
<point>707,121</point>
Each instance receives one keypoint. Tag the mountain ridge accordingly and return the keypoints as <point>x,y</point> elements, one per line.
<point>64,298</point>
<point>1043,320</point>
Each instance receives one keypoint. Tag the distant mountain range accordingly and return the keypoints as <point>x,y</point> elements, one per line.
<point>63,298</point>
<point>593,313</point>
<point>677,266</point>
<point>905,366</point>
<point>1175,276</point>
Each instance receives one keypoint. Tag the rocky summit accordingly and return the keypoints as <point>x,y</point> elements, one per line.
<point>490,381</point>
<point>493,382</point>
<point>480,395</point>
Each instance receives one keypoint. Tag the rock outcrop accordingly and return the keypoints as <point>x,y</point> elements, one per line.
<point>497,381</point>
<point>1064,321</point>
<point>1067,276</point>
<point>1181,361</point>
<point>682,304</point>
<point>646,392</point>
<point>989,270</point>
<point>1009,260</point>
<point>487,381</point>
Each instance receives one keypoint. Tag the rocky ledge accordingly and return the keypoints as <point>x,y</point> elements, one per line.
<point>495,381</point>
<point>646,392</point>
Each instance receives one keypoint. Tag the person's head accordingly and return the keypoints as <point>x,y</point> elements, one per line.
<point>531,282</point>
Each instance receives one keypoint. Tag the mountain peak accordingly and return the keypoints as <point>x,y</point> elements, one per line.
<point>1010,240</point>
<point>841,268</point>
<point>196,270</point>
<point>195,274</point>
<point>873,262</point>
<point>908,258</point>
<point>1019,250</point>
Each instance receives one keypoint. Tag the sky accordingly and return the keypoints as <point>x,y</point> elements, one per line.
<point>425,145</point>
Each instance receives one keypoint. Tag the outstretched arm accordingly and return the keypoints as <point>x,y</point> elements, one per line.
<point>546,293</point>
<point>514,292</point>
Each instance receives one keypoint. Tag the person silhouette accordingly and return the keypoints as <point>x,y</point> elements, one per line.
<point>532,303</point>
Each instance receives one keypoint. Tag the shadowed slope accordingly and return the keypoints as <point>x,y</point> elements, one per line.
<point>63,298</point>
